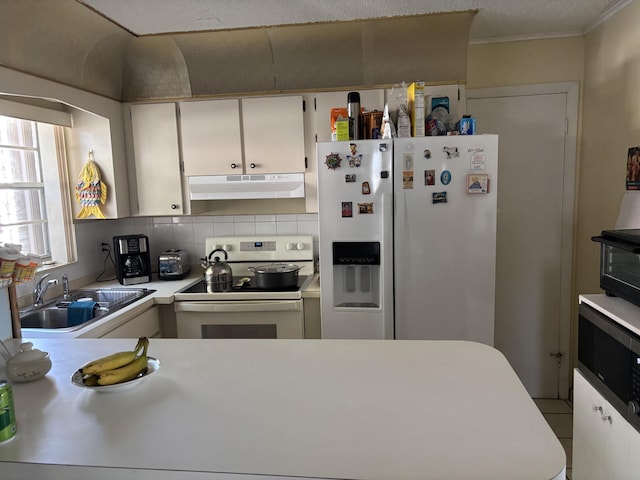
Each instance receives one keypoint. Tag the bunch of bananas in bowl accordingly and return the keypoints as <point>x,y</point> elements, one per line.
<point>116,368</point>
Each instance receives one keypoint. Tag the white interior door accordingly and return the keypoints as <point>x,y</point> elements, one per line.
<point>536,170</point>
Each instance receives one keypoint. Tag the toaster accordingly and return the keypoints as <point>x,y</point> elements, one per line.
<point>173,265</point>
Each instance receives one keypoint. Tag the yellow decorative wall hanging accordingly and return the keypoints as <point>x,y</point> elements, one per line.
<point>91,192</point>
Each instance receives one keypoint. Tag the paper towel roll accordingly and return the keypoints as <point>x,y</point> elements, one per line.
<point>629,215</point>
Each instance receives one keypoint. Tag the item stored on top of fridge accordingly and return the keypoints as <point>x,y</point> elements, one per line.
<point>388,130</point>
<point>372,122</point>
<point>467,125</point>
<point>339,124</point>
<point>404,122</point>
<point>416,107</point>
<point>353,110</point>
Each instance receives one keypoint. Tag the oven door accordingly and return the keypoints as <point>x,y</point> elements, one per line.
<point>243,319</point>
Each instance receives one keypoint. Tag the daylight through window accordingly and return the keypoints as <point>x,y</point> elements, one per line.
<point>30,154</point>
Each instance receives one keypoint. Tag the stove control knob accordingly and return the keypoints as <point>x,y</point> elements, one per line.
<point>300,246</point>
<point>634,407</point>
<point>226,247</point>
<point>291,246</point>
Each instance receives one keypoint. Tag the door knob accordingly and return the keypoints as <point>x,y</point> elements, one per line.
<point>233,165</point>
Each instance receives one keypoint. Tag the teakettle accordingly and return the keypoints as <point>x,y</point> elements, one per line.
<point>217,274</point>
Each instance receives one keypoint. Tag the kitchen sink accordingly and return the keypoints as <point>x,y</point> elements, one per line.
<point>53,315</point>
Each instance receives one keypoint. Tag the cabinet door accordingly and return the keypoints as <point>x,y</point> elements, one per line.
<point>621,450</point>
<point>605,445</point>
<point>211,141</point>
<point>147,324</point>
<point>273,129</point>
<point>157,160</point>
<point>588,431</point>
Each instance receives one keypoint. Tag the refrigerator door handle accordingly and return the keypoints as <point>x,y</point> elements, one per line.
<point>399,214</point>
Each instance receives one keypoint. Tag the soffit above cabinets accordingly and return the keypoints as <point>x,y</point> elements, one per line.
<point>237,47</point>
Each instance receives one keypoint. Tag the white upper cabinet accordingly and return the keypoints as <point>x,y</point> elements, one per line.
<point>158,178</point>
<point>211,140</point>
<point>250,135</point>
<point>273,130</point>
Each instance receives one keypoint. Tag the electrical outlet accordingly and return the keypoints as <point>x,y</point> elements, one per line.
<point>105,247</point>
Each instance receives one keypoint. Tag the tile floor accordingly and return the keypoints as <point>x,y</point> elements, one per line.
<point>559,416</point>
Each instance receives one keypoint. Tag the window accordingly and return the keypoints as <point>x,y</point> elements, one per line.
<point>33,189</point>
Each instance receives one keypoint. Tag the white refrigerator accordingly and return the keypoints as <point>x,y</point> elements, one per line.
<point>355,195</point>
<point>429,204</point>
<point>445,220</point>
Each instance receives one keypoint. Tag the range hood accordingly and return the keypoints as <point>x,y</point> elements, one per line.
<point>230,187</point>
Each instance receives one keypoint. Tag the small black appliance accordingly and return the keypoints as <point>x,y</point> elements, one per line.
<point>620,263</point>
<point>132,259</point>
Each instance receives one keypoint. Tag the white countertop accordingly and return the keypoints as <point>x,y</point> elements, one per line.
<point>348,409</point>
<point>164,292</point>
<point>619,310</point>
<point>163,295</point>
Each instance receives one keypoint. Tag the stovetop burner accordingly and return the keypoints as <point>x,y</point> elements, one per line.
<point>201,286</point>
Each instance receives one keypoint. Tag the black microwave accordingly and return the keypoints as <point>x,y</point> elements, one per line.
<point>609,358</point>
<point>620,263</point>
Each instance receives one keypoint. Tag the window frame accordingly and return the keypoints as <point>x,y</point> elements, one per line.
<point>57,216</point>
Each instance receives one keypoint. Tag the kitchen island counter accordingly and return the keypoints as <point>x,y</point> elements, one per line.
<point>349,409</point>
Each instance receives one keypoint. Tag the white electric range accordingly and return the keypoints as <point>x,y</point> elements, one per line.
<point>248,311</point>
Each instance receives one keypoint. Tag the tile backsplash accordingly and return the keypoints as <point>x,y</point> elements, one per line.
<point>189,232</point>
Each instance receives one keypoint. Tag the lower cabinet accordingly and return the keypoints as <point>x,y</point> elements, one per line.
<point>605,445</point>
<point>311,317</point>
<point>147,324</point>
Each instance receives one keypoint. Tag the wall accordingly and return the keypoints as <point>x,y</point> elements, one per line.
<point>106,118</point>
<point>611,124</point>
<point>525,62</point>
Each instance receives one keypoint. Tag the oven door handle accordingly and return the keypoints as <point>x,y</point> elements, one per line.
<point>235,307</point>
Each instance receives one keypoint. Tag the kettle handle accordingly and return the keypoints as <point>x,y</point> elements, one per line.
<point>218,250</point>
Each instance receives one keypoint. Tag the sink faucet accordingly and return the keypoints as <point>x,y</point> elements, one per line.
<point>66,295</point>
<point>39,291</point>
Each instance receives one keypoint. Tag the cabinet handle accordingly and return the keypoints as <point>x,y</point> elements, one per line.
<point>233,165</point>
<point>252,165</point>
<point>596,408</point>
<point>174,206</point>
<point>607,418</point>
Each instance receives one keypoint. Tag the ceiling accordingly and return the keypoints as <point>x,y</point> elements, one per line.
<point>496,19</point>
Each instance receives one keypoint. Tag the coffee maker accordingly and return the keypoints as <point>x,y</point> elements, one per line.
<point>132,259</point>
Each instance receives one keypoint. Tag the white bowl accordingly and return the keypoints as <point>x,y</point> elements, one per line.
<point>153,364</point>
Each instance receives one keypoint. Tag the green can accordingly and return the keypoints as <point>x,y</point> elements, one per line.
<point>7,413</point>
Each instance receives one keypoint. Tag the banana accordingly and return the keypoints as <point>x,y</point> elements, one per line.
<point>122,374</point>
<point>90,380</point>
<point>126,372</point>
<point>115,360</point>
